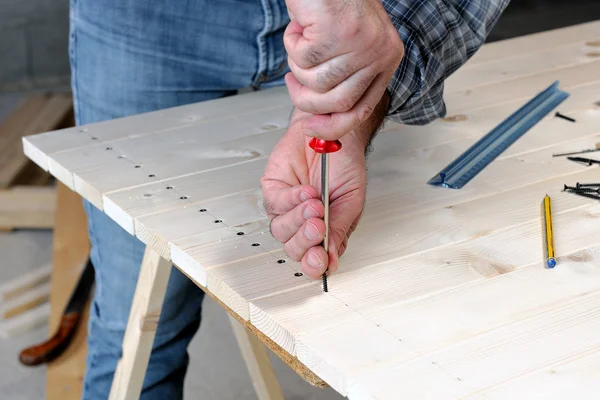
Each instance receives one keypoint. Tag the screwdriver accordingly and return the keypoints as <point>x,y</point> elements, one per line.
<point>324,147</point>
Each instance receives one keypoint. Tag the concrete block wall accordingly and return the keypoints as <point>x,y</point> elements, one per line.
<point>34,38</point>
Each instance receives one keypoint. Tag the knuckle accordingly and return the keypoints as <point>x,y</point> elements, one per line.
<point>311,57</point>
<point>342,104</point>
<point>364,113</point>
<point>290,250</point>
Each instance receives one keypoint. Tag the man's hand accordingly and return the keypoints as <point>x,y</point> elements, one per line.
<point>342,54</point>
<point>293,203</point>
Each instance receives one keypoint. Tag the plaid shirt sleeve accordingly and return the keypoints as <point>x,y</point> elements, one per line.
<point>439,36</point>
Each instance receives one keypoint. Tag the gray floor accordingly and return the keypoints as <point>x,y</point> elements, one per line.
<point>216,372</point>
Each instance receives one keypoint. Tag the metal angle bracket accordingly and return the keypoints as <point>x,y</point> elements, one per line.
<point>460,171</point>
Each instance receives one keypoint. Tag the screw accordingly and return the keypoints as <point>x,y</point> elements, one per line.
<point>587,184</point>
<point>298,274</point>
<point>559,115</point>
<point>585,194</point>
<point>588,190</point>
<point>325,282</point>
<point>581,189</point>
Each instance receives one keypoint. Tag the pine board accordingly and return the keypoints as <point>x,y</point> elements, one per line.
<point>441,293</point>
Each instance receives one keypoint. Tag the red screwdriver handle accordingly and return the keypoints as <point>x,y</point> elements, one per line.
<point>325,146</point>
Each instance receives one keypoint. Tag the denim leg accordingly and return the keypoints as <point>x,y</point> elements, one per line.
<point>129,57</point>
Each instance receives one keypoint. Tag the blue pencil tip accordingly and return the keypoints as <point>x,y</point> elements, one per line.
<point>551,263</point>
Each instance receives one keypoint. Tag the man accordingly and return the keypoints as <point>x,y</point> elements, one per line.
<point>348,65</point>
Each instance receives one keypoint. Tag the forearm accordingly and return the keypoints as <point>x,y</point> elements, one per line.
<point>439,36</point>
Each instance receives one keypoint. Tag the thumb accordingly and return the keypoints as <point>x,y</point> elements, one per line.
<point>344,214</point>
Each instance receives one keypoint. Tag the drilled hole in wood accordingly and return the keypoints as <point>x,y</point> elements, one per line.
<point>147,195</point>
<point>255,244</point>
<point>94,138</point>
<point>169,187</point>
<point>183,197</point>
<point>151,176</point>
<point>240,233</point>
<point>121,156</point>
<point>138,166</point>
<point>280,261</point>
<point>202,210</point>
<point>298,274</point>
<point>218,221</point>
<point>84,130</point>
<point>109,148</point>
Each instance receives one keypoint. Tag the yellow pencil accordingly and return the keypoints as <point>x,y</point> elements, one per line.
<point>548,236</point>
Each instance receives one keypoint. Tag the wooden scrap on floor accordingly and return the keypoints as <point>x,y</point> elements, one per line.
<point>17,287</point>
<point>26,321</point>
<point>20,206</point>
<point>35,114</point>
<point>24,302</point>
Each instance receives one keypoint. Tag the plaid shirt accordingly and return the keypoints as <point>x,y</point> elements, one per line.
<point>439,36</point>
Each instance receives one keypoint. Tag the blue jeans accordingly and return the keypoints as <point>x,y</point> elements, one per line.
<point>134,56</point>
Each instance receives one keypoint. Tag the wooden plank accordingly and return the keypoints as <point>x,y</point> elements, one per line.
<point>189,191</point>
<point>38,147</point>
<point>18,286</point>
<point>70,250</point>
<point>16,123</point>
<point>141,327</point>
<point>33,298</point>
<point>28,207</point>
<point>541,41</point>
<point>258,363</point>
<point>574,377</point>
<point>36,115</point>
<point>527,64</point>
<point>26,321</point>
<point>567,330</point>
<point>164,156</point>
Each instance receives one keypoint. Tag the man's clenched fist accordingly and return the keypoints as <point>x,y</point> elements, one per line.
<point>342,54</point>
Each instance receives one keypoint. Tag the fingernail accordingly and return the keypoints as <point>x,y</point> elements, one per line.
<point>305,196</point>
<point>311,231</point>
<point>310,212</point>
<point>314,260</point>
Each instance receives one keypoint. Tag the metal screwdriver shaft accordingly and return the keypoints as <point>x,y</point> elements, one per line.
<point>324,147</point>
<point>325,199</point>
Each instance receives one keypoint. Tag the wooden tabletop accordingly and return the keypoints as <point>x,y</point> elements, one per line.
<point>442,293</point>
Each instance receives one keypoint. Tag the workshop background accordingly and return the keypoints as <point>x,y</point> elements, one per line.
<point>33,60</point>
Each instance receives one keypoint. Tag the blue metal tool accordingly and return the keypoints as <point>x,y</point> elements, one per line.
<point>460,171</point>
